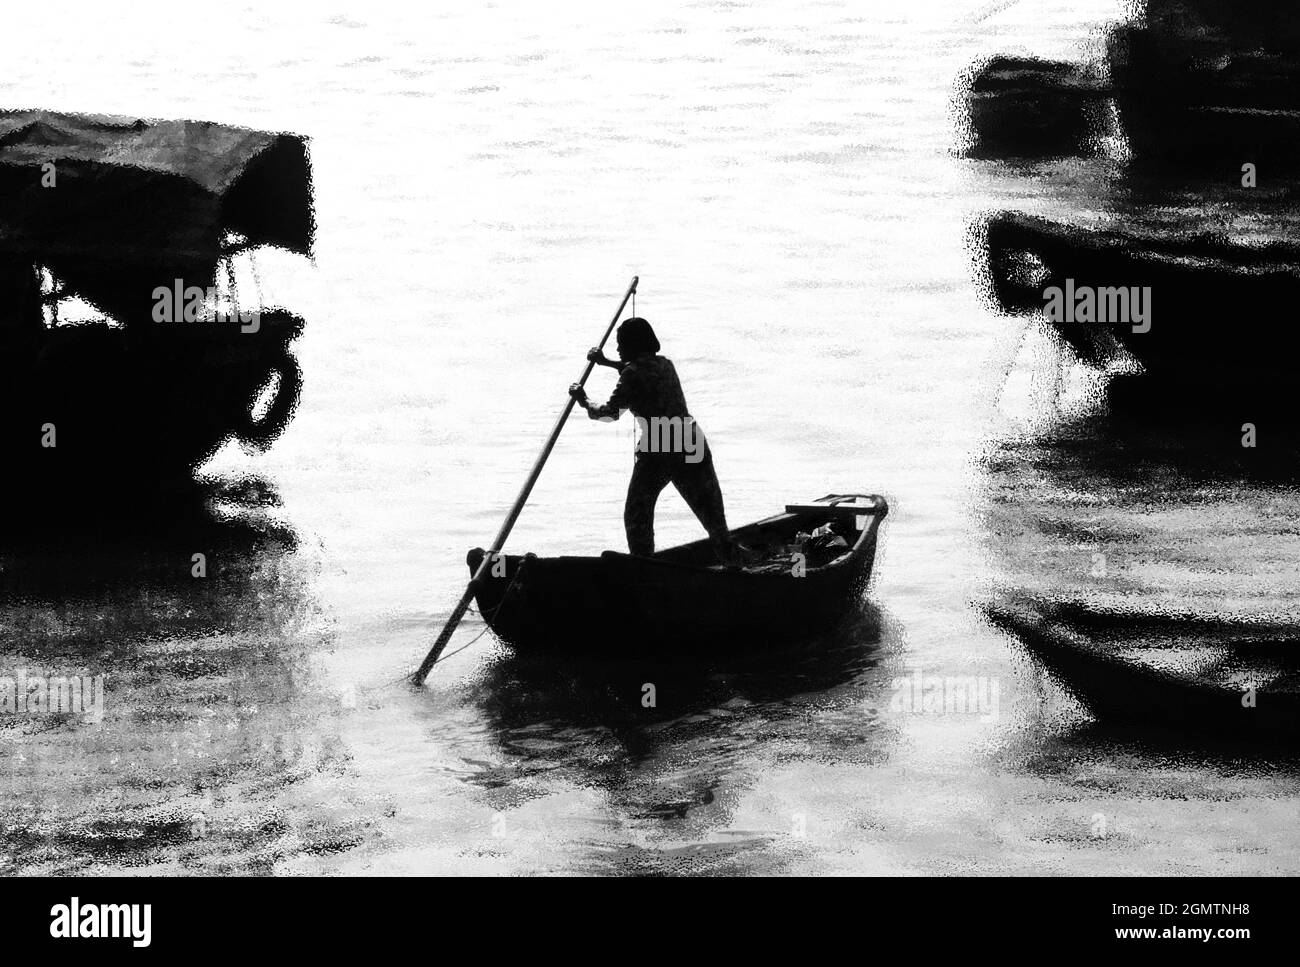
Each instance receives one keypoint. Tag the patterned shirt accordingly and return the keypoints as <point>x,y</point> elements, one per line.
<point>648,386</point>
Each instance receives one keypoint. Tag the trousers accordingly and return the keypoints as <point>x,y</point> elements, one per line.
<point>696,482</point>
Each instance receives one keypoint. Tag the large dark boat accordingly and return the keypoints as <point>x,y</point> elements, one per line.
<point>1209,84</point>
<point>129,353</point>
<point>1213,333</point>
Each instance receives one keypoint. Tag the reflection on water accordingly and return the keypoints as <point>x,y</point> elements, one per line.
<point>1151,573</point>
<point>1189,522</point>
<point>1066,750</point>
<point>673,741</point>
<point>212,705</point>
<point>1170,553</point>
<point>101,573</point>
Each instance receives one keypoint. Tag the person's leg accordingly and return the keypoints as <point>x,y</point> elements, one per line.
<point>649,477</point>
<point>699,487</point>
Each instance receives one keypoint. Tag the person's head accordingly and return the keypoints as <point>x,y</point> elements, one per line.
<point>636,338</point>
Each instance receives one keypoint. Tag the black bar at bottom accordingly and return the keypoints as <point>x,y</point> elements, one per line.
<point>339,917</point>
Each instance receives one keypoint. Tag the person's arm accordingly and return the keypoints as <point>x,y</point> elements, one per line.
<point>600,359</point>
<point>613,407</point>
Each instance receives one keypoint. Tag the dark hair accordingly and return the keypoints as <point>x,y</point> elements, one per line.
<point>636,336</point>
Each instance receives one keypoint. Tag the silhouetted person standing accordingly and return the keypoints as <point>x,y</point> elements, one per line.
<point>670,447</point>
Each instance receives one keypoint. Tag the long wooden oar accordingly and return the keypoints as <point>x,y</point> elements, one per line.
<point>458,612</point>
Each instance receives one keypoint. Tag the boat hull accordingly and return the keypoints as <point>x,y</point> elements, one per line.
<point>125,410</point>
<point>1209,678</point>
<point>1213,333</point>
<point>675,601</point>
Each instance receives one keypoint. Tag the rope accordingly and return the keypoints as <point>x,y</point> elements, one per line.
<point>509,587</point>
<point>405,676</point>
<point>461,648</point>
<point>230,280</point>
<point>257,278</point>
<point>518,571</point>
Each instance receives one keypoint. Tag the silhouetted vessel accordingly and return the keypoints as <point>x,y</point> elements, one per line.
<point>103,222</point>
<point>1209,83</point>
<point>1213,333</point>
<point>681,600</point>
<point>1215,676</point>
<point>1024,107</point>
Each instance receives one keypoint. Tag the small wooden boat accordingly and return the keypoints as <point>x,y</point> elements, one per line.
<point>681,599</point>
<point>1213,676</point>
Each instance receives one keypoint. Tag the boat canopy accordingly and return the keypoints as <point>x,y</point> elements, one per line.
<point>152,193</point>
